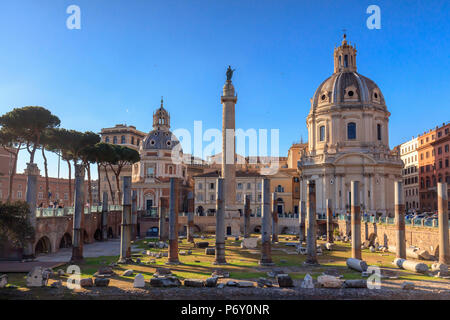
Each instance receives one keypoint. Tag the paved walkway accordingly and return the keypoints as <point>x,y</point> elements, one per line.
<point>93,250</point>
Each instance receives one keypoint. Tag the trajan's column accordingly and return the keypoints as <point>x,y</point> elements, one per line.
<point>228,101</point>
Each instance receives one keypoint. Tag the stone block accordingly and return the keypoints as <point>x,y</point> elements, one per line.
<point>210,251</point>
<point>307,282</point>
<point>211,282</point>
<point>101,282</point>
<point>128,273</point>
<point>197,283</point>
<point>284,281</point>
<point>139,281</point>
<point>249,243</point>
<point>86,283</point>
<point>327,281</point>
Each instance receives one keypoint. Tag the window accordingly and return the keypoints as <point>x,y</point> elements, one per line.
<point>138,142</point>
<point>346,61</point>
<point>122,140</point>
<point>322,133</point>
<point>212,197</point>
<point>200,186</point>
<point>351,131</point>
<point>115,140</point>
<point>19,194</point>
<point>379,132</point>
<point>132,140</point>
<point>239,186</point>
<point>150,172</point>
<point>211,186</point>
<point>249,186</point>
<point>107,139</point>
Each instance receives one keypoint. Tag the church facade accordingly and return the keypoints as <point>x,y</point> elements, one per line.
<point>348,129</point>
<point>151,175</point>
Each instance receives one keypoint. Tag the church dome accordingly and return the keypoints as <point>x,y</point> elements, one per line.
<point>346,87</point>
<point>160,137</point>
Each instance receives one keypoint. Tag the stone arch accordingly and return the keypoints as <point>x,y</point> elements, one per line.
<point>197,228</point>
<point>43,246</point>
<point>200,211</point>
<point>257,229</point>
<point>66,241</point>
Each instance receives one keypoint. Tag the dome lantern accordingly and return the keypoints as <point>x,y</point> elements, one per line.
<point>161,118</point>
<point>345,57</point>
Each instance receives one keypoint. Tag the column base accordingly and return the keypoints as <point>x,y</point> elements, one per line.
<point>311,263</point>
<point>220,263</point>
<point>173,263</point>
<point>125,261</point>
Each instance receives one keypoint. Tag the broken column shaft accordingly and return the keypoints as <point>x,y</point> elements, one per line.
<point>105,216</point>
<point>330,238</point>
<point>400,220</point>
<point>356,221</point>
<point>162,208</point>
<point>125,231</point>
<point>173,222</point>
<point>220,222</point>
<point>247,217</point>
<point>311,237</point>
<point>78,215</point>
<point>274,218</point>
<point>266,252</point>
<point>302,219</point>
<point>444,250</point>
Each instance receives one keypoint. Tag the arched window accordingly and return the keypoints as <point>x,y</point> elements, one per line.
<point>122,140</point>
<point>379,132</point>
<point>115,140</point>
<point>132,140</point>
<point>351,131</point>
<point>107,139</point>
<point>322,133</point>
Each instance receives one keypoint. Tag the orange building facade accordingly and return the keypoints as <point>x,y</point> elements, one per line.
<point>434,157</point>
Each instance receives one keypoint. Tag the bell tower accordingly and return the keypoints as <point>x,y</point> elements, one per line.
<point>345,57</point>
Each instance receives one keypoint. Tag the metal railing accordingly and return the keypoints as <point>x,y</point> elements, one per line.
<point>68,211</point>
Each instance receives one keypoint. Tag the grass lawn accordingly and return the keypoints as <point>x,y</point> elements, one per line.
<point>242,263</point>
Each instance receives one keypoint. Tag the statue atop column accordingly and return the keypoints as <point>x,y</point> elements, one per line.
<point>230,73</point>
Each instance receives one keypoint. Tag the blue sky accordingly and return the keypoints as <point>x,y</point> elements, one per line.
<point>130,53</point>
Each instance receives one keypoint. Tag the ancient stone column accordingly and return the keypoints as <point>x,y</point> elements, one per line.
<point>274,218</point>
<point>311,232</point>
<point>105,216</point>
<point>134,215</point>
<point>32,173</point>
<point>400,220</point>
<point>190,217</point>
<point>190,227</point>
<point>444,250</point>
<point>247,217</point>
<point>356,221</point>
<point>302,220</point>
<point>78,215</point>
<point>266,250</point>
<point>220,222</point>
<point>173,222</point>
<point>125,232</point>
<point>162,207</point>
<point>330,238</point>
